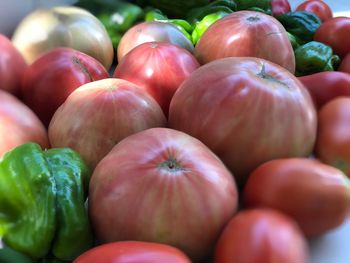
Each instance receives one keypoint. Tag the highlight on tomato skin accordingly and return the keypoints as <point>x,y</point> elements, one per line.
<point>133,251</point>
<point>261,235</point>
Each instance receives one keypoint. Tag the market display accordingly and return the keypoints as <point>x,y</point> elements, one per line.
<point>174,131</point>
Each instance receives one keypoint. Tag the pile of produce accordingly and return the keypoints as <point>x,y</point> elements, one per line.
<point>174,131</point>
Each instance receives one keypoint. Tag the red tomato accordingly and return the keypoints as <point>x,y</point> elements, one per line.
<point>98,115</point>
<point>19,124</point>
<point>318,7</point>
<point>157,67</point>
<point>149,32</point>
<point>246,34</point>
<point>162,185</point>
<point>246,110</point>
<point>315,195</point>
<point>53,76</point>
<point>325,86</point>
<point>333,139</point>
<point>335,32</point>
<point>12,66</point>
<point>345,64</point>
<point>261,236</point>
<point>280,7</point>
<point>133,251</point>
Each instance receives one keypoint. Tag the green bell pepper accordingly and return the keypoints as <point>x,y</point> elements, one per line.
<point>203,25</point>
<point>42,195</point>
<point>71,176</point>
<point>293,40</point>
<point>27,200</point>
<point>197,14</point>
<point>9,255</point>
<point>174,8</point>
<point>255,5</point>
<point>314,57</point>
<point>154,14</point>
<point>301,24</point>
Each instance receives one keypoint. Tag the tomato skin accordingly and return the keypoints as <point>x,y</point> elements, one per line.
<point>12,66</point>
<point>241,100</point>
<point>280,7</point>
<point>48,81</point>
<point>314,194</point>
<point>19,124</point>
<point>345,64</point>
<point>327,85</point>
<point>333,138</point>
<point>157,67</point>
<point>335,32</point>
<point>133,251</point>
<point>318,7</point>
<point>261,236</point>
<point>116,100</point>
<point>162,185</point>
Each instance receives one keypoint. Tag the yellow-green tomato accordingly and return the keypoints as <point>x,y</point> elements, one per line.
<point>63,26</point>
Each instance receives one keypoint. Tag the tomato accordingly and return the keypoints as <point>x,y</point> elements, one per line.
<point>247,111</point>
<point>19,124</point>
<point>157,67</point>
<point>133,251</point>
<point>345,64</point>
<point>98,115</point>
<point>162,185</point>
<point>50,79</point>
<point>325,86</point>
<point>246,34</point>
<point>280,7</point>
<point>333,139</point>
<point>149,32</point>
<point>335,33</point>
<point>63,26</point>
<point>12,66</point>
<point>315,195</point>
<point>318,7</point>
<point>261,236</point>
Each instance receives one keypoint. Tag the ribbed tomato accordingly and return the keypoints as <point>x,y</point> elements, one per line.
<point>162,185</point>
<point>157,67</point>
<point>246,34</point>
<point>247,110</point>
